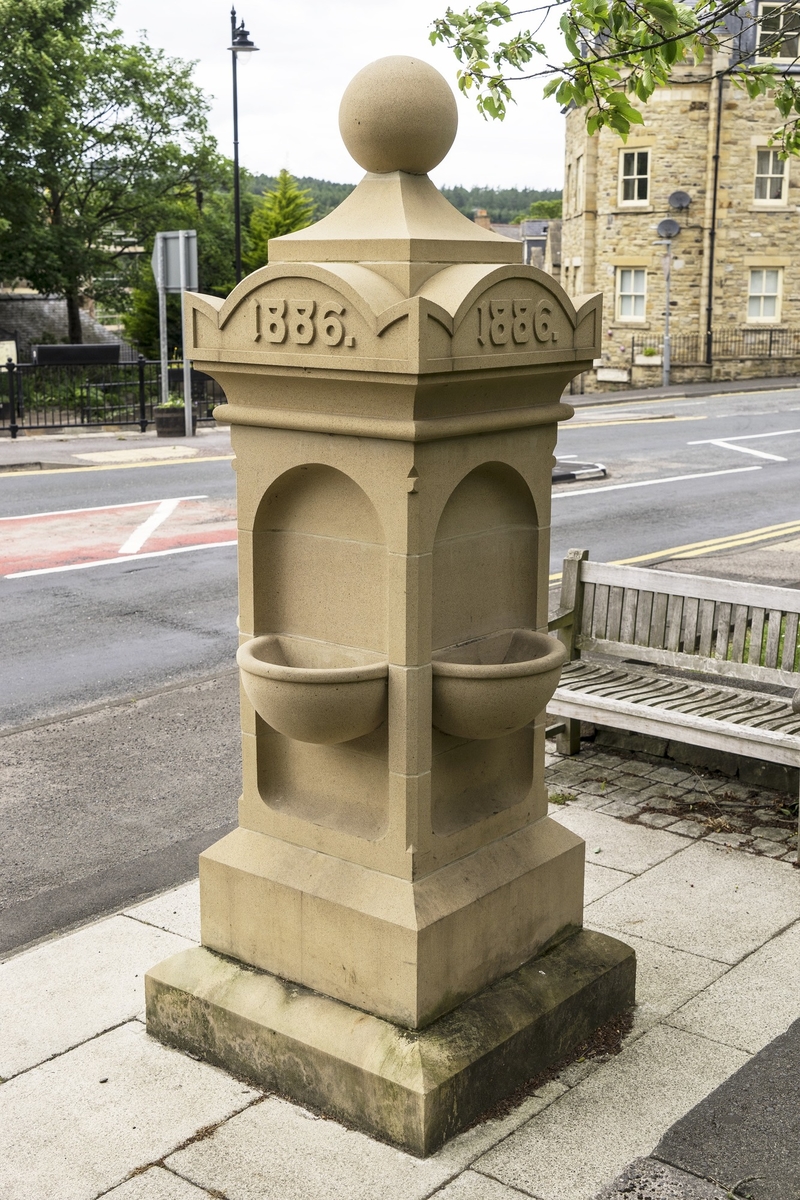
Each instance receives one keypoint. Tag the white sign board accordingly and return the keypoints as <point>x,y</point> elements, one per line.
<point>169,244</point>
<point>8,350</point>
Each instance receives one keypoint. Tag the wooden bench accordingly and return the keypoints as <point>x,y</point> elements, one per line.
<point>711,662</point>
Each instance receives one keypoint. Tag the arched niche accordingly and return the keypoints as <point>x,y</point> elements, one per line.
<point>319,560</point>
<point>485,557</point>
<point>484,580</point>
<point>319,571</point>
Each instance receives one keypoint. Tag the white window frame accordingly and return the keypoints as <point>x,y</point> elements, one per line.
<point>619,294</point>
<point>772,151</point>
<point>783,12</point>
<point>637,201</point>
<point>761,318</point>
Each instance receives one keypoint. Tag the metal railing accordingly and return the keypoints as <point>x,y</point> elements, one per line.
<point>689,349</point>
<point>117,394</point>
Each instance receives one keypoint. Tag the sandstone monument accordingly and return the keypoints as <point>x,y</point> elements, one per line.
<point>393,934</point>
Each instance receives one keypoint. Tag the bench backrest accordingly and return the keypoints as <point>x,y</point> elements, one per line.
<point>718,626</point>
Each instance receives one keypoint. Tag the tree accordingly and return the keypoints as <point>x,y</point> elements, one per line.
<point>616,49</point>
<point>281,211</point>
<point>211,214</point>
<point>98,136</point>
<point>548,210</point>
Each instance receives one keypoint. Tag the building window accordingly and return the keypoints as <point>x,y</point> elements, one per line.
<point>631,293</point>
<point>576,281</point>
<point>770,176</point>
<point>764,295</point>
<point>779,31</point>
<point>568,191</point>
<point>634,176</point>
<point>578,207</point>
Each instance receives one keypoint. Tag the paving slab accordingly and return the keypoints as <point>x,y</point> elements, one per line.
<point>612,843</point>
<point>747,1129</point>
<point>177,911</point>
<point>666,979</point>
<point>599,881</point>
<point>706,900</point>
<point>580,1143</point>
<point>647,1179</point>
<point>157,1184</point>
<point>78,1125</point>
<point>754,1002</point>
<point>278,1151</point>
<point>474,1186</point>
<point>83,984</point>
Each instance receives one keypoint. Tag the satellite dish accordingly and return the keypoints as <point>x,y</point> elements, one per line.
<point>668,228</point>
<point>680,200</point>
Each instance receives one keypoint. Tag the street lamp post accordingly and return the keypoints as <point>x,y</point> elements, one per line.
<point>240,44</point>
<point>667,230</point>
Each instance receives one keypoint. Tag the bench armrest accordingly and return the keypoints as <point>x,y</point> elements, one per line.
<point>562,620</point>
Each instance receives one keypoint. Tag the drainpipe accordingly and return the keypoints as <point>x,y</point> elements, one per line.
<point>712,233</point>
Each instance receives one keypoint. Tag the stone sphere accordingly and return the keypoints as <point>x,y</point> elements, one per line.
<point>398,114</point>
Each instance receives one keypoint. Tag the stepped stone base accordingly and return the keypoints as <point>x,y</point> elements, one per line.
<point>413,1089</point>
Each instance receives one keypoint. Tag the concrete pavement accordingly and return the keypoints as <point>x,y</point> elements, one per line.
<point>92,1107</point>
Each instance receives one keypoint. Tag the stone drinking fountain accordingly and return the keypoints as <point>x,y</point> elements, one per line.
<point>393,934</point>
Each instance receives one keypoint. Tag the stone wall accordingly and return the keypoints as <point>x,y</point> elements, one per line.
<point>37,319</point>
<point>601,234</point>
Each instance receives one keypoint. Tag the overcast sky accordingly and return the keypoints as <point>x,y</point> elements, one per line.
<point>308,51</point>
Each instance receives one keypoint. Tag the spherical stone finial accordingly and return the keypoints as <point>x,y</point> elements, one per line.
<point>398,114</point>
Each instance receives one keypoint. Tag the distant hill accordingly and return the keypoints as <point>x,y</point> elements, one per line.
<point>502,204</point>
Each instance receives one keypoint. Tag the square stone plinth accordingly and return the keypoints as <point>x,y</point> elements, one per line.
<point>413,1089</point>
<point>405,950</point>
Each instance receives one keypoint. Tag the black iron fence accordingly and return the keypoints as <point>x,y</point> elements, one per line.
<point>690,349</point>
<point>36,396</point>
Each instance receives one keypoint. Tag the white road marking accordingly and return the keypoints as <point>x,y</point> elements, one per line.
<point>67,512</point>
<point>615,487</point>
<point>105,562</point>
<point>749,437</point>
<point>139,536</point>
<point>726,445</point>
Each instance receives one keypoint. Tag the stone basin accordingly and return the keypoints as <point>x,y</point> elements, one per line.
<point>314,691</point>
<point>495,685</point>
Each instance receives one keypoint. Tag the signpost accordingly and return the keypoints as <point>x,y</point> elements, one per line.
<point>175,268</point>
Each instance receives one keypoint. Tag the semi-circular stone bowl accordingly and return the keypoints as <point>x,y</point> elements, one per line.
<point>496,685</point>
<point>314,691</point>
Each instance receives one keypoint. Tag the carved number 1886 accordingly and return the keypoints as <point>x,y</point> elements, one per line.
<point>515,321</point>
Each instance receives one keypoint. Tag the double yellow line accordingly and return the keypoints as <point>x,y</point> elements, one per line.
<point>697,549</point>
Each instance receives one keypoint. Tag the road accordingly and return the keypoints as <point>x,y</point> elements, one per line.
<point>134,653</point>
<point>681,472</point>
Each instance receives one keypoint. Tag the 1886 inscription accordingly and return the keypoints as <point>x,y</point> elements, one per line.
<point>515,322</point>
<point>300,322</point>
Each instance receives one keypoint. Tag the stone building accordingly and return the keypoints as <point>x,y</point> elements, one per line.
<point>735,279</point>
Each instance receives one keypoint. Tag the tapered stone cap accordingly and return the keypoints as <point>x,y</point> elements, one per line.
<point>398,119</point>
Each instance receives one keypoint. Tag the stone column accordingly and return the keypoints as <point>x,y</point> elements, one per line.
<point>393,933</point>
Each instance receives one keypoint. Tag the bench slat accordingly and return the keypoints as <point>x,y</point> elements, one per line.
<point>773,637</point>
<point>707,608</point>
<point>674,619</point>
<point>600,614</point>
<point>789,643</point>
<point>732,591</point>
<point>756,636</point>
<point>739,633</point>
<point>658,621</point>
<point>614,614</point>
<point>723,630</point>
<point>644,614</point>
<point>588,606</point>
<point>670,658</point>
<point>691,608</point>
<point>628,624</point>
